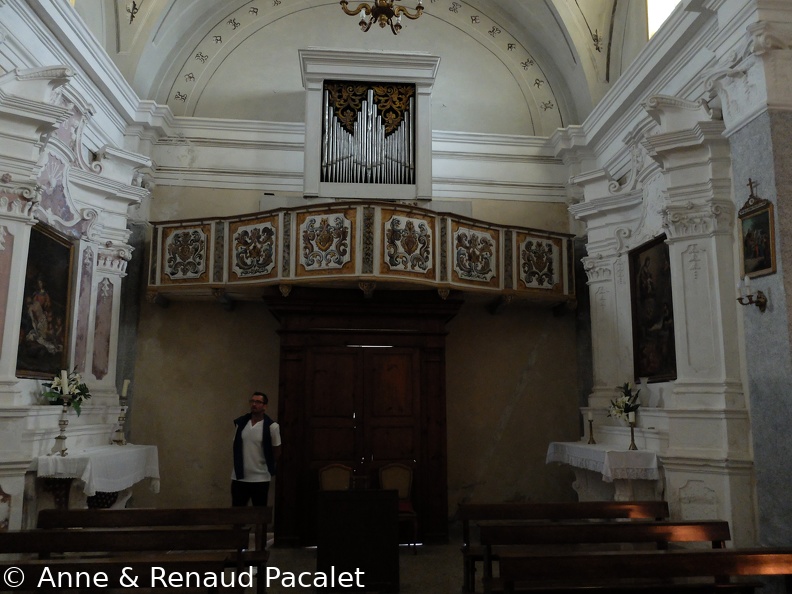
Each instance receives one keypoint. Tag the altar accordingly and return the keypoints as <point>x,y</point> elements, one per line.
<point>97,476</point>
<point>604,472</point>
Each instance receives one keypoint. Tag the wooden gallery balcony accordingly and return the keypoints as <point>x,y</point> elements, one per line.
<point>366,245</point>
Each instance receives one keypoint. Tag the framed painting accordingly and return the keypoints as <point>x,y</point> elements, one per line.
<point>757,237</point>
<point>44,327</point>
<point>654,351</point>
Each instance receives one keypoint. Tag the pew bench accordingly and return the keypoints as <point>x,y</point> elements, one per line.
<point>90,560</point>
<point>468,513</point>
<point>538,538</point>
<point>683,570</point>
<point>255,519</point>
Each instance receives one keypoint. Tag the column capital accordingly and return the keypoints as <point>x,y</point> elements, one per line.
<point>113,258</point>
<point>18,199</point>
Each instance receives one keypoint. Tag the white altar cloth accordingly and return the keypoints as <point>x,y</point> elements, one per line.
<point>612,463</point>
<point>107,468</point>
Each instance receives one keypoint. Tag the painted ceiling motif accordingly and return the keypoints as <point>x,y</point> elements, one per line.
<point>558,52</point>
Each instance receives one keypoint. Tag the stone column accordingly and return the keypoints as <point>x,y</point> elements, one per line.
<point>25,114</point>
<point>708,461</point>
<point>609,219</point>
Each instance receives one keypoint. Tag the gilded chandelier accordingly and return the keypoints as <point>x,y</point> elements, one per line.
<point>382,12</point>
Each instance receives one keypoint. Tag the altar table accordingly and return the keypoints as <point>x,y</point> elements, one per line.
<point>634,474</point>
<point>107,468</point>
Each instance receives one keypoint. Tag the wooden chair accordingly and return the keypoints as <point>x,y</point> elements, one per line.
<point>335,477</point>
<point>398,477</point>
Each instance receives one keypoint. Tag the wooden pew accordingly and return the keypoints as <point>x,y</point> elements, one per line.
<point>146,552</point>
<point>636,571</point>
<point>257,518</point>
<point>553,511</point>
<point>506,537</point>
<point>112,574</point>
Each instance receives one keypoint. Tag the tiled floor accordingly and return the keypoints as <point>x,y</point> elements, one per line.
<point>435,569</point>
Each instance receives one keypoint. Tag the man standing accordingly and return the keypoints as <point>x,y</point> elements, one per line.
<point>256,451</point>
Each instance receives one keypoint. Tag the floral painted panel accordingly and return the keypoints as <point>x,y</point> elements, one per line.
<point>407,244</point>
<point>254,252</point>
<point>476,255</point>
<point>185,252</point>
<point>540,265</point>
<point>326,242</point>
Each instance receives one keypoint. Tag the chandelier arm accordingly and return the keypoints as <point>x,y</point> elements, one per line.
<point>363,6</point>
<point>400,10</point>
<point>368,25</point>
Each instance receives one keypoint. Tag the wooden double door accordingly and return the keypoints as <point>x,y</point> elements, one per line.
<point>363,393</point>
<point>362,408</point>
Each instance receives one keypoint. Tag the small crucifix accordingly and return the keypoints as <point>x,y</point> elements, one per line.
<point>751,184</point>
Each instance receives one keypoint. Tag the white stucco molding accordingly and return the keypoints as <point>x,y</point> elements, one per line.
<point>598,268</point>
<point>18,199</point>
<point>755,77</point>
<point>113,258</point>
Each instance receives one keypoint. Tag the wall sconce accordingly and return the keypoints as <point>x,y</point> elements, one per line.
<point>758,298</point>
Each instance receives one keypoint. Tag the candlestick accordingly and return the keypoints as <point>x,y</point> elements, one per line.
<point>632,433</point>
<point>591,431</point>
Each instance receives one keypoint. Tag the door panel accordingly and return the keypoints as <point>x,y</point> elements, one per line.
<point>332,399</point>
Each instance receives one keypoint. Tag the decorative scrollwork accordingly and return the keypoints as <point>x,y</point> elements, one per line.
<point>325,244</point>
<point>537,264</point>
<point>392,101</point>
<point>254,250</point>
<point>474,253</point>
<point>409,247</point>
<point>186,254</point>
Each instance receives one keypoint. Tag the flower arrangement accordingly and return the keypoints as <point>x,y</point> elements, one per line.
<point>625,403</point>
<point>73,395</point>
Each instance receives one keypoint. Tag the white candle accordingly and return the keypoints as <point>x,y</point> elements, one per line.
<point>125,388</point>
<point>64,382</point>
<point>747,282</point>
<point>631,417</point>
<point>590,415</point>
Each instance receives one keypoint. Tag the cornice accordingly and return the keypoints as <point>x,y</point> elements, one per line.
<point>600,207</point>
<point>318,64</point>
<point>109,188</point>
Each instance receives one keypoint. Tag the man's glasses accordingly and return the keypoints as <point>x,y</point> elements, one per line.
<point>256,402</point>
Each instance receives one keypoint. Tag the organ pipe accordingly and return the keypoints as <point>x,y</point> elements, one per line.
<point>369,154</point>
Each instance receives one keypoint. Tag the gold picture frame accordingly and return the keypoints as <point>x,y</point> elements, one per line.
<point>46,313</point>
<point>757,237</point>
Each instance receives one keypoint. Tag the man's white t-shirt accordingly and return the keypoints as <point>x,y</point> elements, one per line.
<point>255,465</point>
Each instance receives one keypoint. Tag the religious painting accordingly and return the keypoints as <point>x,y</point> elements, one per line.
<point>44,327</point>
<point>652,311</point>
<point>757,237</point>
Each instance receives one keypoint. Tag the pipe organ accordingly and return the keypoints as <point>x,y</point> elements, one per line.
<point>368,133</point>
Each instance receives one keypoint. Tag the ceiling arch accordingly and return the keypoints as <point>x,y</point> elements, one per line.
<point>541,62</point>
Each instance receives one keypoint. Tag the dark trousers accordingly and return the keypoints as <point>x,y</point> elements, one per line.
<point>242,492</point>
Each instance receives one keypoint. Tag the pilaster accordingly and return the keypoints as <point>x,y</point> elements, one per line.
<point>708,462</point>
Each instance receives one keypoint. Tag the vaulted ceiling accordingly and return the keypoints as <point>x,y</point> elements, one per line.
<point>507,66</point>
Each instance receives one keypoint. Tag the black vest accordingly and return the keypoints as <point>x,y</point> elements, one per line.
<point>266,445</point>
